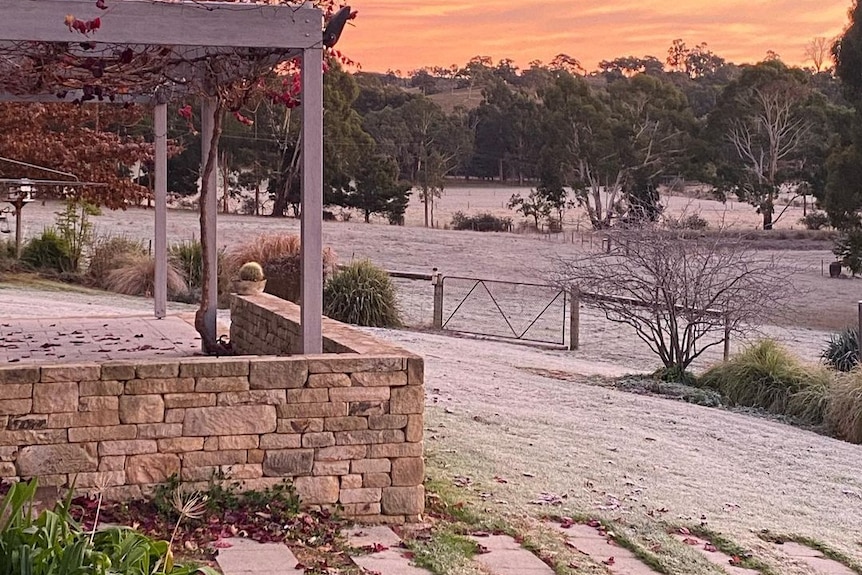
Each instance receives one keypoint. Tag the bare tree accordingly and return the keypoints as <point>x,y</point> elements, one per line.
<point>817,52</point>
<point>678,294</point>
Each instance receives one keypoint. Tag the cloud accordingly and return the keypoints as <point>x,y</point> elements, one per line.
<point>400,35</point>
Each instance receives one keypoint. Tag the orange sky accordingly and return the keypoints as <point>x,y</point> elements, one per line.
<point>405,35</point>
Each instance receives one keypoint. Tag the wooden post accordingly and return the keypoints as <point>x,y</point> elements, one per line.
<point>437,282</point>
<point>160,289</point>
<point>208,108</point>
<point>311,293</point>
<point>859,337</point>
<point>726,338</point>
<point>575,318</point>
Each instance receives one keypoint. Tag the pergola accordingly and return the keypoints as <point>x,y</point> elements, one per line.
<point>176,47</point>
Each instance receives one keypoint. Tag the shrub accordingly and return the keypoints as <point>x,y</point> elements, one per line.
<point>815,220</point>
<point>48,252</point>
<point>110,253</point>
<point>481,223</point>
<point>693,222</point>
<point>848,250</point>
<point>362,294</point>
<point>188,258</point>
<point>844,414</point>
<point>138,277</point>
<point>279,256</point>
<point>842,351</point>
<point>766,376</point>
<point>251,272</point>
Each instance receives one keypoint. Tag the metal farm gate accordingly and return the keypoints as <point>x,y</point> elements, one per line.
<point>511,310</point>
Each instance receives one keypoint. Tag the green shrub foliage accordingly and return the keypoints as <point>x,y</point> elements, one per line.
<point>481,223</point>
<point>362,294</point>
<point>47,252</point>
<point>842,350</point>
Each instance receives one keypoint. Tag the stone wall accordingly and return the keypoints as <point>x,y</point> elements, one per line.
<point>347,428</point>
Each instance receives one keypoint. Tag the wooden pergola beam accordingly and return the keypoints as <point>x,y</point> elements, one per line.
<point>182,23</point>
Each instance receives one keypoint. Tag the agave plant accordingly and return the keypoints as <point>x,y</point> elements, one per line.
<point>842,351</point>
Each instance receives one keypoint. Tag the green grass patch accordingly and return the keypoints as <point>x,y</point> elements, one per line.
<point>732,548</point>
<point>815,544</point>
<point>445,552</point>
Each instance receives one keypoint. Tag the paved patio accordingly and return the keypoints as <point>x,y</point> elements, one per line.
<point>79,339</point>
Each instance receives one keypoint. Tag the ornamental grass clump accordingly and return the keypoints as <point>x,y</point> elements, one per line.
<point>362,294</point>
<point>844,413</point>
<point>842,350</point>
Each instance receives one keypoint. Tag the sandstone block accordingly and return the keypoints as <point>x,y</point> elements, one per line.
<point>118,371</point>
<point>128,447</point>
<point>220,384</point>
<point>359,394</point>
<point>16,390</point>
<point>362,495</point>
<point>83,419</point>
<point>408,471</point>
<point>155,468</point>
<point>199,473</point>
<point>302,425</point>
<point>368,408</point>
<point>341,453</point>
<point>109,387</point>
<point>376,480</point>
<point>70,372</point>
<point>328,380</point>
<point>235,420</point>
<point>331,468</point>
<point>353,363</point>
<point>371,466</point>
<point>158,370</point>
<point>180,444</point>
<point>19,375</point>
<point>415,428</point>
<point>361,509</point>
<point>415,370</point>
<point>387,421</point>
<point>345,423</point>
<point>124,493</point>
<point>214,367</point>
<point>363,437</point>
<point>20,422</point>
<point>106,433</point>
<point>407,400</point>
<point>317,490</point>
<point>33,437</point>
<point>280,441</point>
<point>15,406</point>
<point>211,443</point>
<point>395,450</point>
<point>55,397</point>
<point>303,410</point>
<point>278,373</point>
<point>113,463</point>
<point>238,442</point>
<point>242,471</point>
<point>159,430</point>
<point>379,378</point>
<point>255,397</point>
<point>325,439</point>
<point>351,481</point>
<point>56,459</point>
<point>8,453</point>
<point>100,479</point>
<point>160,385</point>
<point>320,395</point>
<point>99,403</point>
<point>175,415</point>
<point>175,400</point>
<point>214,458</point>
<point>7,469</point>
<point>142,408</point>
<point>288,462</point>
<point>256,455</point>
<point>403,500</point>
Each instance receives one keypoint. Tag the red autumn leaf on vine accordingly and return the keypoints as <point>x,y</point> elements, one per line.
<point>185,112</point>
<point>100,4</point>
<point>243,119</point>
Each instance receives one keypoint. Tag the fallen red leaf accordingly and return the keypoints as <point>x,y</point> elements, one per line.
<point>690,541</point>
<point>609,561</point>
<point>709,547</point>
<point>684,531</point>
<point>735,561</point>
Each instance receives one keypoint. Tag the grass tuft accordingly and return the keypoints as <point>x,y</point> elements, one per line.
<point>362,294</point>
<point>138,277</point>
<point>844,412</point>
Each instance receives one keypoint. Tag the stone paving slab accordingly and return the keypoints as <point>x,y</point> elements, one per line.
<point>505,556</point>
<point>82,339</point>
<point>388,561</point>
<point>814,559</point>
<point>598,547</point>
<point>247,557</point>
<point>717,557</point>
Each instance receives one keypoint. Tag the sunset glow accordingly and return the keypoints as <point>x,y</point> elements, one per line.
<point>398,35</point>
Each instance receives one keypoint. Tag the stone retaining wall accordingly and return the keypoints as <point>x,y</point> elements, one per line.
<point>347,428</point>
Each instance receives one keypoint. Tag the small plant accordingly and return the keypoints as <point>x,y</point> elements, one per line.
<point>842,351</point>
<point>251,272</point>
<point>74,227</point>
<point>110,253</point>
<point>848,250</point>
<point>815,220</point>
<point>362,294</point>
<point>481,222</point>
<point>138,277</point>
<point>188,258</point>
<point>48,252</point>
<point>691,222</point>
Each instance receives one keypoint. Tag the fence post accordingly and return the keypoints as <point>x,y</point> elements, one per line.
<point>575,318</point>
<point>859,336</point>
<point>726,338</point>
<point>437,282</point>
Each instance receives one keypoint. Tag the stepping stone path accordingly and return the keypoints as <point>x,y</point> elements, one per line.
<point>384,552</point>
<point>247,557</point>
<point>595,544</point>
<point>502,555</point>
<point>708,550</point>
<point>814,559</point>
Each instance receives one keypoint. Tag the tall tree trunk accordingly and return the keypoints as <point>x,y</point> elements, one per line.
<point>208,267</point>
<point>768,210</point>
